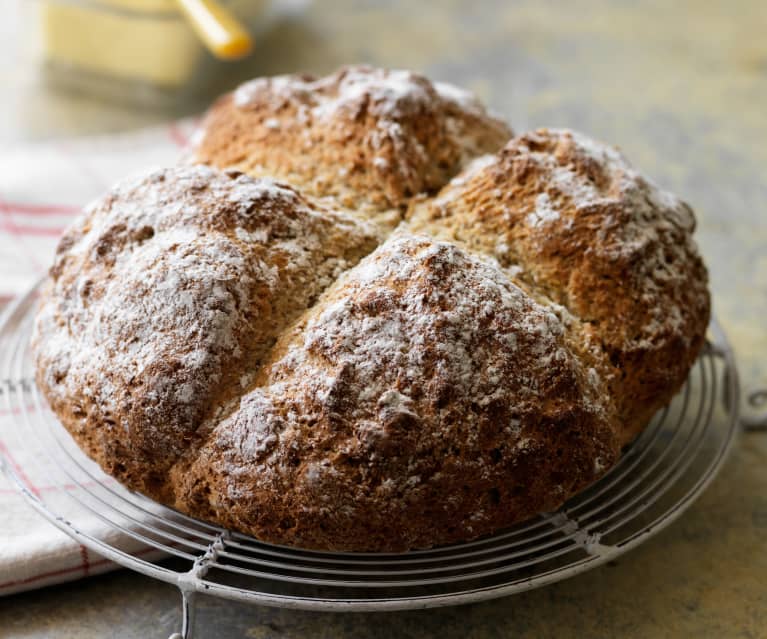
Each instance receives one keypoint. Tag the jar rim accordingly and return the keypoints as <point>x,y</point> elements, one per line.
<point>166,9</point>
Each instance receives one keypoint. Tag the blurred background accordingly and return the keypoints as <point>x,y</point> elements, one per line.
<point>680,87</point>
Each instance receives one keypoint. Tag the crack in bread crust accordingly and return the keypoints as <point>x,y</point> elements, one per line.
<point>416,341</point>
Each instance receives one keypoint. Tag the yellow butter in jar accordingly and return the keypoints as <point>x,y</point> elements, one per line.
<point>150,42</point>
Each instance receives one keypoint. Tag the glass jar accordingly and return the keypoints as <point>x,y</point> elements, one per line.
<point>131,50</point>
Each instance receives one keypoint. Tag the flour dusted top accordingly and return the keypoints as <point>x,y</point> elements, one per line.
<point>370,139</point>
<point>168,293</point>
<point>576,224</point>
<point>390,94</point>
<point>422,365</point>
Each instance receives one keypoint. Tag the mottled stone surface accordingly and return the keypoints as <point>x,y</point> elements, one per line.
<point>682,88</point>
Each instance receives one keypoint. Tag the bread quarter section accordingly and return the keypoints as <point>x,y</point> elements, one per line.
<point>165,297</point>
<point>575,223</point>
<point>425,399</point>
<point>369,138</point>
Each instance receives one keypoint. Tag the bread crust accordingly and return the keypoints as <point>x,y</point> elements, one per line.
<point>370,139</point>
<point>409,340</point>
<point>576,224</point>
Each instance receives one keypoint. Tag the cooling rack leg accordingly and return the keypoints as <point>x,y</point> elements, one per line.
<point>189,580</point>
<point>758,422</point>
<point>187,616</point>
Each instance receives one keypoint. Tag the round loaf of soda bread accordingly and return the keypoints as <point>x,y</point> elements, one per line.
<point>364,317</point>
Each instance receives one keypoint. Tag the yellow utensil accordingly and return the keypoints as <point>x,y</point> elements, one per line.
<point>223,34</point>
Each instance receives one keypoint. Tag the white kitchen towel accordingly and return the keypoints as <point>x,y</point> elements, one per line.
<point>42,186</point>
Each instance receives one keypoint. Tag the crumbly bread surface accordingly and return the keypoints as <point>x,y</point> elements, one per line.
<point>417,336</point>
<point>576,224</point>
<point>164,297</point>
<point>370,139</point>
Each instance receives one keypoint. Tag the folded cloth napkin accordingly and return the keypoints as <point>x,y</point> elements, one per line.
<point>42,186</point>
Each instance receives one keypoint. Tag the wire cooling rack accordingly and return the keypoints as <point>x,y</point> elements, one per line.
<point>657,478</point>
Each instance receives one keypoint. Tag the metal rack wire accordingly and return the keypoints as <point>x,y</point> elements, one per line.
<point>658,477</point>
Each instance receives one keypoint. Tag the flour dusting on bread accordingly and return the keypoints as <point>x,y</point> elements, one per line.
<point>369,318</point>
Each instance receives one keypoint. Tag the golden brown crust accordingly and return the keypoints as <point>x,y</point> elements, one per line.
<point>577,225</point>
<point>223,344</point>
<point>369,138</point>
<point>165,297</point>
<point>424,400</point>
